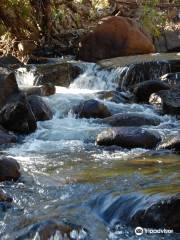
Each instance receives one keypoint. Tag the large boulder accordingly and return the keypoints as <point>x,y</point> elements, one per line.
<point>128,137</point>
<point>9,169</point>
<point>17,116</point>
<point>45,90</point>
<point>91,109</point>
<point>57,74</point>
<point>40,108</point>
<point>143,90</point>
<point>131,119</point>
<point>114,36</point>
<point>170,101</point>
<point>6,137</point>
<point>8,85</point>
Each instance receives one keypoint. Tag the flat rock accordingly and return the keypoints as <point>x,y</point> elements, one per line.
<point>128,137</point>
<point>131,119</point>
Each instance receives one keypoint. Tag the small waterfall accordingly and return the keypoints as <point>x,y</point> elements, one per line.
<point>96,78</point>
<point>25,77</point>
<point>137,73</point>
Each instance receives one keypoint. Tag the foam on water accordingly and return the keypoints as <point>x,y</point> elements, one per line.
<point>65,132</point>
<point>25,78</point>
<point>96,78</point>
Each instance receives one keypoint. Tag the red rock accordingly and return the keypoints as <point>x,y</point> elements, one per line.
<point>114,36</point>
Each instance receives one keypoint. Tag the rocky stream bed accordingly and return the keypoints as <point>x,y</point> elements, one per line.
<point>91,151</point>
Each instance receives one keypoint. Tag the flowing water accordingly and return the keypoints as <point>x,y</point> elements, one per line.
<point>64,173</point>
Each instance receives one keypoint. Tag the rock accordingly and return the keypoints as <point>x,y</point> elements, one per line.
<point>91,109</point>
<point>169,40</point>
<point>45,90</point>
<point>170,101</point>
<point>9,169</point>
<point>8,85</point>
<point>10,61</point>
<point>131,119</point>
<point>49,228</point>
<point>174,65</point>
<point>115,96</point>
<point>26,47</point>
<point>113,37</point>
<point>37,60</point>
<point>173,144</point>
<point>128,137</point>
<point>152,211</point>
<point>163,212</point>
<point>143,90</point>
<point>40,108</point>
<point>4,197</point>
<point>172,79</point>
<point>17,115</point>
<point>59,74</point>
<point>6,137</point>
<point>142,72</point>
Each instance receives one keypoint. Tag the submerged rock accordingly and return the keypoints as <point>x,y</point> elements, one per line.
<point>144,90</point>
<point>40,108</point>
<point>51,229</point>
<point>6,137</point>
<point>131,119</point>
<point>9,169</point>
<point>128,137</point>
<point>44,90</point>
<point>17,116</point>
<point>91,109</point>
<point>114,36</point>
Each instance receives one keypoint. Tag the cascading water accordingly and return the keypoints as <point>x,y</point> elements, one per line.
<point>63,169</point>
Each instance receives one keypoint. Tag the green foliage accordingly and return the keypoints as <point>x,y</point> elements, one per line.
<point>152,19</point>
